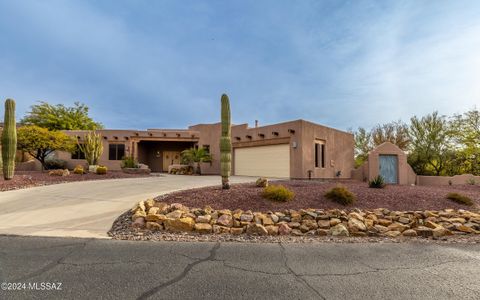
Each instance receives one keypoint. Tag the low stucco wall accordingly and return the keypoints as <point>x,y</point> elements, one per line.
<point>445,180</point>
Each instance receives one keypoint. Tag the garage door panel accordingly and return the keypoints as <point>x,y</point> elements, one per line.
<point>268,161</point>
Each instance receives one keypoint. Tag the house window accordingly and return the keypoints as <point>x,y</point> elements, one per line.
<point>319,154</point>
<point>116,151</point>
<point>207,148</point>
<point>78,153</point>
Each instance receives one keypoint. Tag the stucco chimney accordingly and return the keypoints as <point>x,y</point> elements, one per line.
<point>256,123</point>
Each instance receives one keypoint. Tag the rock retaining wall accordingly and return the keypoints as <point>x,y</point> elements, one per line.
<point>153,215</point>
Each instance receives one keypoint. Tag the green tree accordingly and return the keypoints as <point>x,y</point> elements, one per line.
<point>365,141</point>
<point>430,144</point>
<point>60,117</point>
<point>466,136</point>
<point>196,156</point>
<point>40,142</point>
<point>363,145</point>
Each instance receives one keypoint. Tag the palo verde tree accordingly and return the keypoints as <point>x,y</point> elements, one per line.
<point>393,132</point>
<point>430,144</point>
<point>40,142</point>
<point>225,143</point>
<point>60,117</point>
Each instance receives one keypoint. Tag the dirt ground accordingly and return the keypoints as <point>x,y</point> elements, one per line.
<point>26,179</point>
<point>310,194</point>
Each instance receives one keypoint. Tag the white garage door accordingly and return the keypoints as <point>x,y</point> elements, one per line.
<point>268,161</point>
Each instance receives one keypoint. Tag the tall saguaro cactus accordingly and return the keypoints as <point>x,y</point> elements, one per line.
<point>225,143</point>
<point>9,140</point>
<point>92,147</point>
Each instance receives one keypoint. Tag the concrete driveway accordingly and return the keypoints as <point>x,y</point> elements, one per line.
<point>86,209</point>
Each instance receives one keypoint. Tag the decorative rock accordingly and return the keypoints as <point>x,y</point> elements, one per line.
<point>355,215</point>
<point>297,232</point>
<point>272,230</point>
<point>236,231</point>
<point>181,224</point>
<point>203,228</point>
<point>393,233</point>
<point>139,223</point>
<point>457,220</point>
<point>398,227</point>
<point>440,231</point>
<point>295,217</point>
<point>225,220</point>
<point>162,207</point>
<point>409,232</point>
<point>154,226</point>
<point>267,221</point>
<point>334,222</point>
<point>323,224</point>
<point>322,232</point>
<point>339,230</point>
<point>225,212</point>
<point>284,229</point>
<point>274,218</point>
<point>431,224</point>
<point>380,228</point>
<point>261,182</point>
<point>149,203</point>
<point>464,228</point>
<point>359,233</point>
<point>156,218</point>
<point>424,231</point>
<point>356,225</point>
<point>175,214</point>
<point>403,220</point>
<point>384,222</point>
<point>203,219</point>
<point>138,214</point>
<point>310,224</point>
<point>294,224</point>
<point>256,229</point>
<point>153,210</point>
<point>246,217</point>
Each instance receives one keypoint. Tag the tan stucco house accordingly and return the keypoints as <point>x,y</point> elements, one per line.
<point>295,149</point>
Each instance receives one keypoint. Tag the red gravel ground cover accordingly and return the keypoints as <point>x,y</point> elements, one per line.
<point>309,194</point>
<point>36,178</point>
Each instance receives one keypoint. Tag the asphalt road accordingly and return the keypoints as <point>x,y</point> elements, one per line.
<point>108,269</point>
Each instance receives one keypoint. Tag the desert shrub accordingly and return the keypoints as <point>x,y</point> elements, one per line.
<point>101,170</point>
<point>55,164</point>
<point>261,182</point>
<point>459,198</point>
<point>59,172</point>
<point>341,195</point>
<point>277,193</point>
<point>79,170</point>
<point>377,183</point>
<point>471,181</point>
<point>129,162</point>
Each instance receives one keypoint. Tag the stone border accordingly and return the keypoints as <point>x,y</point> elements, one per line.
<point>158,216</point>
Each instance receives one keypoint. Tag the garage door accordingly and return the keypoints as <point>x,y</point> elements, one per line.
<point>268,161</point>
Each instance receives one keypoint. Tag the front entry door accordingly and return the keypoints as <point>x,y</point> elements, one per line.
<point>389,168</point>
<point>170,158</point>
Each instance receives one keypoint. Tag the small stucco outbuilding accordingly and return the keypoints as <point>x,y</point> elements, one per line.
<point>389,161</point>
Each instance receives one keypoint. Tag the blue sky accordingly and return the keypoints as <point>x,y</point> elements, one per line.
<point>153,64</point>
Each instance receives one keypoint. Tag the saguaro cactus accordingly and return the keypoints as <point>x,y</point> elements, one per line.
<point>92,147</point>
<point>9,140</point>
<point>225,143</point>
